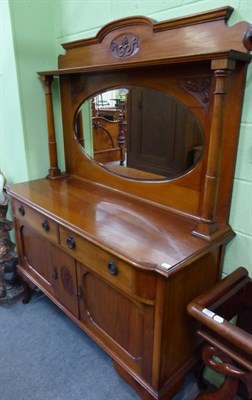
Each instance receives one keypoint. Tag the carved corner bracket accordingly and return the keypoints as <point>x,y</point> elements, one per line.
<point>197,87</point>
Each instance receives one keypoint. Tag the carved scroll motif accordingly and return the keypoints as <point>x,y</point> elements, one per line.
<point>67,280</point>
<point>125,46</point>
<point>198,87</point>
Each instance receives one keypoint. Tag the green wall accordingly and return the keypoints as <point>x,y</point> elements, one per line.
<point>31,38</point>
<point>33,31</point>
<point>12,145</point>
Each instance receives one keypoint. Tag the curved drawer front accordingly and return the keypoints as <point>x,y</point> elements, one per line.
<point>101,262</point>
<point>36,220</point>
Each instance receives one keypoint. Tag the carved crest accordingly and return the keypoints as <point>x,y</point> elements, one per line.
<point>125,46</point>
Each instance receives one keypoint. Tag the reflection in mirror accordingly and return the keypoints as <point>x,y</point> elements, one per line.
<point>139,133</point>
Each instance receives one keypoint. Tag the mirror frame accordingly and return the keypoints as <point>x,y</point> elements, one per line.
<point>171,56</point>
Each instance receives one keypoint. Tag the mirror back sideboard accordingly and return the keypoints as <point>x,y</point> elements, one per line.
<point>123,256</point>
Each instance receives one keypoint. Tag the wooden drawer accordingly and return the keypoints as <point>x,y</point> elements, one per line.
<point>36,220</point>
<point>97,260</point>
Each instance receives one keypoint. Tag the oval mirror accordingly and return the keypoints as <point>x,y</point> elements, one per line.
<point>139,133</point>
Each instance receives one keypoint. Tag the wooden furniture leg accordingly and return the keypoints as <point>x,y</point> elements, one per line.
<point>27,293</point>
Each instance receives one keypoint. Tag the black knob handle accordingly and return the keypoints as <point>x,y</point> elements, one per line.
<point>45,226</point>
<point>70,242</point>
<point>21,210</point>
<point>112,267</point>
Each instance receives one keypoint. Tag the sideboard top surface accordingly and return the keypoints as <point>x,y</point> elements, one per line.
<point>140,233</point>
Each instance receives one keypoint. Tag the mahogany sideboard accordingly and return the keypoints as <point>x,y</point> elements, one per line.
<point>123,251</point>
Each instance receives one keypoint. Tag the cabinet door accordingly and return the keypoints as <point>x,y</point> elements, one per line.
<point>123,326</point>
<point>35,256</point>
<point>65,283</point>
<point>48,266</point>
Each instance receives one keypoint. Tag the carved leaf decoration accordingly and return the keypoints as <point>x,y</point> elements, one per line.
<point>198,87</point>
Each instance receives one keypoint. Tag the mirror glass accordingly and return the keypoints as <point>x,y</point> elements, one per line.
<point>139,133</point>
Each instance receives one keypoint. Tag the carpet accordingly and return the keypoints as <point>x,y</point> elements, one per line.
<point>45,356</point>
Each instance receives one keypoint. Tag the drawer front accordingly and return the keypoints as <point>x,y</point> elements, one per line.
<point>101,262</point>
<point>36,220</point>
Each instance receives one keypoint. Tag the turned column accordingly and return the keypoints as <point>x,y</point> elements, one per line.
<point>54,171</point>
<point>208,223</point>
<point>121,139</point>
